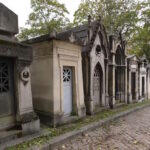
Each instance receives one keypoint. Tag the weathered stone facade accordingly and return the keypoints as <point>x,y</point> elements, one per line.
<point>108,74</point>
<point>117,70</point>
<point>133,78</point>
<point>57,80</point>
<point>104,66</point>
<point>138,78</point>
<point>16,106</point>
<point>143,80</point>
<point>95,56</point>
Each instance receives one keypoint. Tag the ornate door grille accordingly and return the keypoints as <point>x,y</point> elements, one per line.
<point>67,88</point>
<point>4,77</point>
<point>6,87</point>
<point>67,75</point>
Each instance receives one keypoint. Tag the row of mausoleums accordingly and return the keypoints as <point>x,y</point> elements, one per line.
<point>75,72</point>
<point>78,71</point>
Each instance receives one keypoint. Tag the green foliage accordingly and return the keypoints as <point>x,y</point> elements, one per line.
<point>130,17</point>
<point>116,14</point>
<point>46,15</point>
<point>140,42</point>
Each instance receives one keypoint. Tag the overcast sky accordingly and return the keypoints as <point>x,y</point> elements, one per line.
<point>22,8</point>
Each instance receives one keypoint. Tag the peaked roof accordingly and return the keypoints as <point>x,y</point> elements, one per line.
<point>132,56</point>
<point>80,32</point>
<point>64,36</point>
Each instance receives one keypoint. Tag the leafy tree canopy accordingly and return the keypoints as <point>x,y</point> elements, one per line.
<point>130,17</point>
<point>46,15</point>
<point>120,15</point>
<point>140,42</point>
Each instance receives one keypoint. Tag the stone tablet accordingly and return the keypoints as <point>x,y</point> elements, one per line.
<point>8,20</point>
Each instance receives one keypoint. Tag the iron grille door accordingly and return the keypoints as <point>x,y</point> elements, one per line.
<point>6,87</point>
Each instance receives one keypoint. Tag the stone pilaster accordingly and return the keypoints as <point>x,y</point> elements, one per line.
<point>90,105</point>
<point>112,82</point>
<point>136,86</point>
<point>129,87</point>
<point>125,92</point>
<point>106,87</point>
<point>25,113</point>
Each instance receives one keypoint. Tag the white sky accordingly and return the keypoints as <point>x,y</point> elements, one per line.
<point>22,8</point>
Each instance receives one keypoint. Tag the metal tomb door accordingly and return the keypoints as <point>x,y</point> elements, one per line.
<point>6,92</point>
<point>97,87</point>
<point>67,87</point>
<point>133,85</point>
<point>143,86</point>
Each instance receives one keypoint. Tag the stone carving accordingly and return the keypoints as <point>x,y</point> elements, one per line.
<point>25,75</point>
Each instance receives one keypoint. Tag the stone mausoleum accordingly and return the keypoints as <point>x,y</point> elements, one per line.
<point>110,77</point>
<point>16,108</point>
<point>57,81</point>
<point>138,78</point>
<point>57,70</point>
<point>103,64</point>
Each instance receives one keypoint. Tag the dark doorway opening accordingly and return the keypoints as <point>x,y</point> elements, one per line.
<point>7,106</point>
<point>143,85</point>
<point>97,85</point>
<point>133,85</point>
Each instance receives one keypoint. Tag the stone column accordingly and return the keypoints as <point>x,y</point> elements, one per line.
<point>125,91</point>
<point>145,88</point>
<point>106,87</point>
<point>129,87</point>
<point>90,105</point>
<point>139,85</point>
<point>25,113</point>
<point>147,83</point>
<point>112,82</point>
<point>136,86</point>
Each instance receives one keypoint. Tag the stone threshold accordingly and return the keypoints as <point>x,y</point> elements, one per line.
<point>59,140</point>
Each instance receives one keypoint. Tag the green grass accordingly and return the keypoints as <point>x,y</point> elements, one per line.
<point>75,126</point>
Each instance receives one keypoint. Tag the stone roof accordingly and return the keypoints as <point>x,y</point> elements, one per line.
<point>14,41</point>
<point>80,33</point>
<point>130,56</point>
<point>8,21</point>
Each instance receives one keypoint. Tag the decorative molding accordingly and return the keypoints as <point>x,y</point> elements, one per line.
<point>12,50</point>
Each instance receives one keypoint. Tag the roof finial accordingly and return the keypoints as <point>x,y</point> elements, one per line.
<point>53,33</point>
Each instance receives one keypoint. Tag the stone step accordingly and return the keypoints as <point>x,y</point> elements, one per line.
<point>6,136</point>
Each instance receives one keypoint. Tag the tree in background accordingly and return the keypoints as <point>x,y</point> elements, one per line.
<point>130,17</point>
<point>140,42</point>
<point>121,15</point>
<point>46,16</point>
<point>125,16</point>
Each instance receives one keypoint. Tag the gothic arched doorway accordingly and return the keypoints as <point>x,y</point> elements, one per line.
<point>97,85</point>
<point>119,76</point>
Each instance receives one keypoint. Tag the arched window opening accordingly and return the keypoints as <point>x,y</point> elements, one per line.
<point>98,49</point>
<point>97,85</point>
<point>118,57</point>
